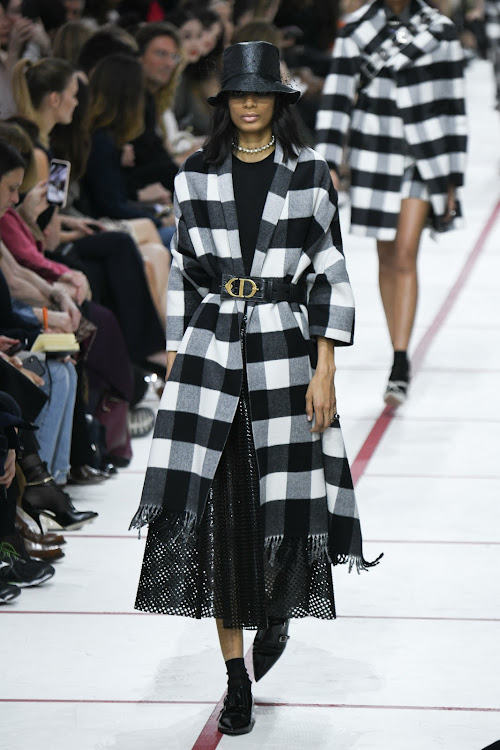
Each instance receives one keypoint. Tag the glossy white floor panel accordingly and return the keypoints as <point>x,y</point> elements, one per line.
<point>412,661</point>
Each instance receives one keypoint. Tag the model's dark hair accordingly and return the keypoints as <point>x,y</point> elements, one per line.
<point>223,133</point>
<point>10,158</point>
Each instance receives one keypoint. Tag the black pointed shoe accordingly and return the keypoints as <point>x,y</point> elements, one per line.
<point>236,716</point>
<point>268,646</point>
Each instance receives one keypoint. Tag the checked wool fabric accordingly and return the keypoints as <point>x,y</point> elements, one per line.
<point>413,110</point>
<point>492,19</point>
<point>304,479</point>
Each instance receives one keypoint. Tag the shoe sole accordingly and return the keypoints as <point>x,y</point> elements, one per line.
<point>9,597</point>
<point>392,399</point>
<point>245,730</point>
<point>29,584</point>
<point>50,524</point>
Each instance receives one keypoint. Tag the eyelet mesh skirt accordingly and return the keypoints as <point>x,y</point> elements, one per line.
<point>221,570</point>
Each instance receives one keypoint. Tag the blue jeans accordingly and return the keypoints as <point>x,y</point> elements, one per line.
<point>166,234</point>
<point>55,421</point>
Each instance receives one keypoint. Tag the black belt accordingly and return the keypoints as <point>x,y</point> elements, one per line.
<point>258,289</point>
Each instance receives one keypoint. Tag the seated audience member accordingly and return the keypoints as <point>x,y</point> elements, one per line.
<point>159,50</point>
<point>55,417</point>
<point>74,9</point>
<point>26,37</point>
<point>7,61</point>
<point>17,568</point>
<point>109,40</point>
<point>116,117</point>
<point>69,40</point>
<point>47,94</point>
<point>199,76</point>
<point>102,11</point>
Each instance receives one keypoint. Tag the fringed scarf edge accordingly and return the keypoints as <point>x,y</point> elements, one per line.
<point>183,524</point>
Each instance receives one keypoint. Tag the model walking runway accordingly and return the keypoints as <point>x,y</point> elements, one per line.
<point>410,661</point>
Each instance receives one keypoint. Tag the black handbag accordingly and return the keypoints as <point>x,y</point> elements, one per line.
<point>29,396</point>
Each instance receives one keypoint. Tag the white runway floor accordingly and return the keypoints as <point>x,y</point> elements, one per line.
<point>412,662</point>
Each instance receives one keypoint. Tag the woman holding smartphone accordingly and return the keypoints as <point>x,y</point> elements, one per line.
<point>248,492</point>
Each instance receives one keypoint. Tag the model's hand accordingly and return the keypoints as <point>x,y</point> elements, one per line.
<point>321,402</point>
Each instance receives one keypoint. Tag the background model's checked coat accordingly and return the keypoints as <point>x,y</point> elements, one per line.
<point>305,483</point>
<point>413,110</point>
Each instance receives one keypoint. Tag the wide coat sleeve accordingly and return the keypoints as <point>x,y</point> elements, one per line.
<point>188,281</point>
<point>339,95</point>
<point>330,302</point>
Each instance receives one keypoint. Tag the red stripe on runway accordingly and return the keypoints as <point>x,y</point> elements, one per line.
<point>381,707</point>
<point>247,660</point>
<point>106,700</point>
<point>210,737</point>
<point>374,706</point>
<point>379,428</point>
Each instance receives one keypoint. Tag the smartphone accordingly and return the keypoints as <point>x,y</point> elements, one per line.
<point>57,189</point>
<point>29,9</point>
<point>33,364</point>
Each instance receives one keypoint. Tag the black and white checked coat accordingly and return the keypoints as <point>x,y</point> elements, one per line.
<point>305,482</point>
<point>492,19</point>
<point>413,110</point>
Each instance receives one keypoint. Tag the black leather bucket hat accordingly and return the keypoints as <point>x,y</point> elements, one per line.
<point>252,66</point>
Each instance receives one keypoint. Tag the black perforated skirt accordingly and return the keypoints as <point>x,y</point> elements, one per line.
<point>221,570</point>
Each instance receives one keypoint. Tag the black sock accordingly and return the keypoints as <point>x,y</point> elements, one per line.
<point>237,674</point>
<point>401,367</point>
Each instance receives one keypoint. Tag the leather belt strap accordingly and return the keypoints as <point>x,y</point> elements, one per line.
<point>258,289</point>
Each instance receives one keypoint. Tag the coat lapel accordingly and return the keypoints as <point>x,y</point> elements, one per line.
<point>226,195</point>
<point>273,207</point>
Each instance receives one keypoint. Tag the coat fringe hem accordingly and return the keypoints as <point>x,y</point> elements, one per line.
<point>182,525</point>
<point>356,560</point>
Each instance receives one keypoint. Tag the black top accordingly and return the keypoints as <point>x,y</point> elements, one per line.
<point>251,183</point>
<point>150,151</point>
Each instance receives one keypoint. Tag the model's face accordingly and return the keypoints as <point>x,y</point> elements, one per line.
<point>191,34</point>
<point>9,189</point>
<point>67,102</point>
<point>159,60</point>
<point>251,113</point>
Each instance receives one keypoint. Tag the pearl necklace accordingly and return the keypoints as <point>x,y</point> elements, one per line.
<point>254,150</point>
